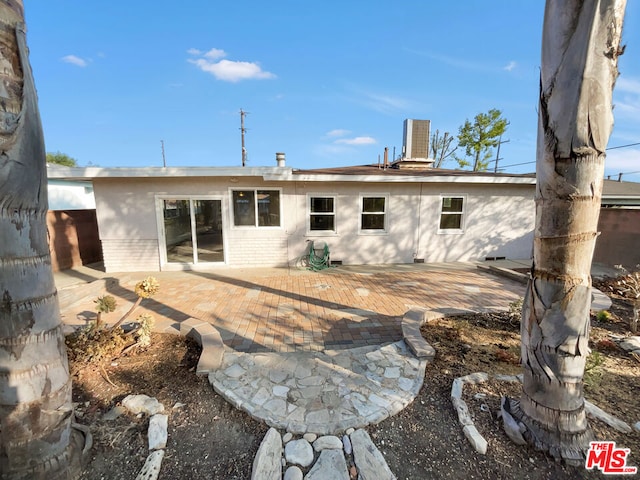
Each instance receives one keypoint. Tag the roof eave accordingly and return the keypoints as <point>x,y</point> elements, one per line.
<point>416,179</point>
<point>90,173</point>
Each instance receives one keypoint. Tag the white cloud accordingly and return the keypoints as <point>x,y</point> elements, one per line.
<point>74,60</point>
<point>338,132</point>
<point>215,54</point>
<point>510,66</point>
<point>356,141</point>
<point>227,70</point>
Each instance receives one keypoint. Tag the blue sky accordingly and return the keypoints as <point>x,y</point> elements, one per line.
<point>328,83</point>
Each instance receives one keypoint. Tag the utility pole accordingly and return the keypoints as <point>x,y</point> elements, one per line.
<point>164,161</point>
<point>500,142</point>
<point>242,131</point>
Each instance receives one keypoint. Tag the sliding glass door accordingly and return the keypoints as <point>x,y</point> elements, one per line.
<point>193,230</point>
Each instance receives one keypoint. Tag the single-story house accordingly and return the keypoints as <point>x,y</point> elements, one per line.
<point>163,218</point>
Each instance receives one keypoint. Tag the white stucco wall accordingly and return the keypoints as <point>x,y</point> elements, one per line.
<point>499,222</point>
<point>128,221</point>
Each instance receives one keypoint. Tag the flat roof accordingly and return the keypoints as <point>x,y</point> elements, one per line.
<point>613,191</point>
<point>363,173</point>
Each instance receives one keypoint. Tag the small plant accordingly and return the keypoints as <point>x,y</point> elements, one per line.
<point>593,368</point>
<point>143,333</point>
<point>507,356</point>
<point>603,316</point>
<point>146,288</point>
<point>104,304</point>
<point>515,309</point>
<point>606,345</point>
<point>94,344</point>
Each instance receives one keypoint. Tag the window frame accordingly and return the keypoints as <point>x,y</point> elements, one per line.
<point>462,213</point>
<point>165,264</point>
<point>333,232</point>
<point>371,231</point>
<point>256,225</point>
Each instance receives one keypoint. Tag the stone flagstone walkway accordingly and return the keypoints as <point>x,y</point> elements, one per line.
<point>321,392</point>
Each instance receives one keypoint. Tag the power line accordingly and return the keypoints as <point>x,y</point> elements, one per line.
<point>516,165</point>
<point>610,148</point>
<point>624,146</point>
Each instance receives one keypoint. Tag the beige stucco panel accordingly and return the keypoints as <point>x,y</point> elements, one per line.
<point>499,220</point>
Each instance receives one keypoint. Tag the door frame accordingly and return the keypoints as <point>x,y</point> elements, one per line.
<point>162,241</point>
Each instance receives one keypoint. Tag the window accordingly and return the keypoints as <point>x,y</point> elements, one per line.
<point>256,208</point>
<point>373,213</point>
<point>451,215</point>
<point>322,213</point>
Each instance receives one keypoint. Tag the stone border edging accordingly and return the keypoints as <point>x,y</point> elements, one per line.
<point>208,337</point>
<point>471,432</point>
<point>411,323</point>
<point>505,272</point>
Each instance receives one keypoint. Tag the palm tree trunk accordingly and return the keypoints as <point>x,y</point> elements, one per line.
<point>35,387</point>
<point>581,41</point>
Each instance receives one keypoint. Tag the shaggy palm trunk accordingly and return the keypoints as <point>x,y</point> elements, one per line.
<point>35,387</point>
<point>581,43</point>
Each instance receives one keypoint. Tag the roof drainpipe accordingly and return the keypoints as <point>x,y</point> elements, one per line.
<point>280,159</point>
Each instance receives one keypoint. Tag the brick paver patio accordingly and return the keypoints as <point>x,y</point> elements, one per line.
<point>299,310</point>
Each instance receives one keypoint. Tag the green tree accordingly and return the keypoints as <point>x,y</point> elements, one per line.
<point>479,137</point>
<point>580,49</point>
<point>37,440</point>
<point>60,158</point>
<point>441,147</point>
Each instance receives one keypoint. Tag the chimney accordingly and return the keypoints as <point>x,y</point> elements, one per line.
<point>280,160</point>
<point>386,157</point>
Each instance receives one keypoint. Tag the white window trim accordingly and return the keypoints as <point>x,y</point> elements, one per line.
<point>322,233</point>
<point>159,202</point>
<point>463,213</point>
<point>384,231</point>
<point>232,222</point>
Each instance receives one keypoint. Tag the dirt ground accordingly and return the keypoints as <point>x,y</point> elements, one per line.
<point>209,439</point>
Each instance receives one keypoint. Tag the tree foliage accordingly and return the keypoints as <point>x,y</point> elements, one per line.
<point>479,137</point>
<point>441,147</point>
<point>60,158</point>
